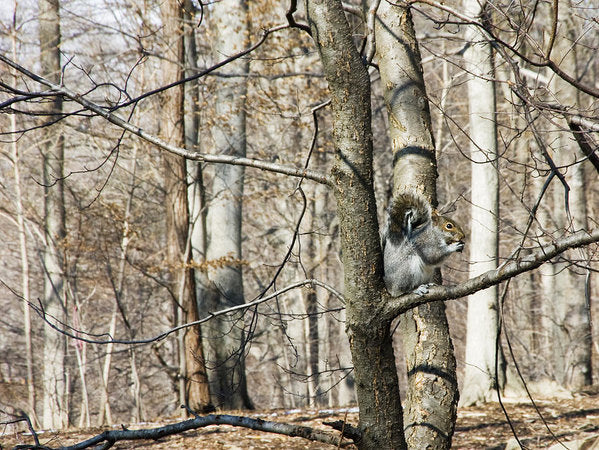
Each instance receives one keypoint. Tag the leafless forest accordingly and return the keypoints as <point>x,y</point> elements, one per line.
<point>227,163</point>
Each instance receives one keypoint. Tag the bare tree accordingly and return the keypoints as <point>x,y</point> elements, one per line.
<point>568,307</point>
<point>225,337</point>
<point>54,382</point>
<point>196,394</point>
<point>23,249</point>
<point>484,358</point>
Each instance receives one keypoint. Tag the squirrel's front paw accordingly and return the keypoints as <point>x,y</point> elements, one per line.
<point>422,289</point>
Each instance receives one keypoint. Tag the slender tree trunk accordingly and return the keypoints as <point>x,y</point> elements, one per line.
<point>546,279</point>
<point>430,406</point>
<point>225,336</point>
<point>310,300</point>
<point>24,253</point>
<point>105,415</point>
<point>197,395</point>
<point>482,353</point>
<point>54,382</point>
<point>195,175</point>
<point>81,354</point>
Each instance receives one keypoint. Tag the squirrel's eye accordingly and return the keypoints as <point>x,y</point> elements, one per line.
<point>448,225</point>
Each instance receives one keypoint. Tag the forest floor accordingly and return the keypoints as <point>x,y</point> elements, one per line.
<point>478,427</point>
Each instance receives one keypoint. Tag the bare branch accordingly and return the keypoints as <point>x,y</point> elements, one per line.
<point>110,437</point>
<point>592,125</point>
<point>370,34</point>
<point>554,20</point>
<point>292,22</point>
<point>585,142</point>
<point>398,305</point>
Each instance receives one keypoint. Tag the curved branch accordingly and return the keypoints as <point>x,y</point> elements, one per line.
<point>398,305</point>
<point>585,142</point>
<point>553,34</point>
<point>291,20</point>
<point>110,437</point>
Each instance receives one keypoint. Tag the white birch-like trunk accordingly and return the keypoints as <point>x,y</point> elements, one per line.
<point>53,378</point>
<point>81,354</point>
<point>481,357</point>
<point>225,337</point>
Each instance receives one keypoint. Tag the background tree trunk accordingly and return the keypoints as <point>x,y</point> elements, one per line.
<point>24,253</point>
<point>54,409</point>
<point>197,395</point>
<point>483,307</point>
<point>225,336</point>
<point>570,324</point>
<point>431,403</point>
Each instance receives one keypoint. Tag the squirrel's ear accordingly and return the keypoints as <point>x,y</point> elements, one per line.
<point>407,221</point>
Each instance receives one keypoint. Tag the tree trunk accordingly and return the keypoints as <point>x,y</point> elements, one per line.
<point>430,406</point>
<point>24,253</point>
<point>570,324</point>
<point>225,336</point>
<point>54,382</point>
<point>105,413</point>
<point>370,340</point>
<point>480,383</point>
<point>182,283</point>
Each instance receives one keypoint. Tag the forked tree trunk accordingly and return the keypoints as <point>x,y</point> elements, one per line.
<point>196,392</point>
<point>430,406</point>
<point>480,383</point>
<point>54,409</point>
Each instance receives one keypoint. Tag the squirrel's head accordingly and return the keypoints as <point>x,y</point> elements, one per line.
<point>452,232</point>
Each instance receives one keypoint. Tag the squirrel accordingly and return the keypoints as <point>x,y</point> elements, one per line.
<point>416,240</point>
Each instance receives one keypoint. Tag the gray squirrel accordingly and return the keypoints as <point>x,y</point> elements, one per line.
<point>416,240</point>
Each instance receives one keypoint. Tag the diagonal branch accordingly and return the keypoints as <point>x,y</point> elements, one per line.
<point>585,142</point>
<point>56,89</point>
<point>398,305</point>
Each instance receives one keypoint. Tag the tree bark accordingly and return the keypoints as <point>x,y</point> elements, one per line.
<point>430,406</point>
<point>370,340</point>
<point>182,283</point>
<point>54,410</point>
<point>225,336</point>
<point>482,351</point>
